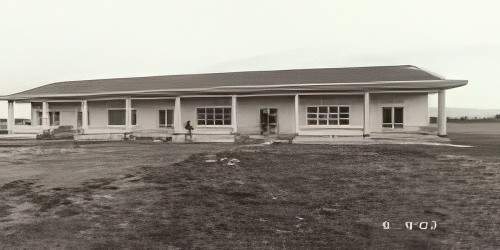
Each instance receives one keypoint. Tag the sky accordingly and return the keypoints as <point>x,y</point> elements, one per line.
<point>59,40</point>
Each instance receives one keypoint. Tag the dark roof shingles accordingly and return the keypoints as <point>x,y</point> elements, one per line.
<point>276,77</point>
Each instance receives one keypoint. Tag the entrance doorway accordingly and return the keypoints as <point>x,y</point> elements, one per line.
<point>79,119</point>
<point>392,117</point>
<point>269,121</point>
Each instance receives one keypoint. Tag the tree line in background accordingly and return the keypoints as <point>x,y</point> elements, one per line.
<point>466,118</point>
<point>495,118</point>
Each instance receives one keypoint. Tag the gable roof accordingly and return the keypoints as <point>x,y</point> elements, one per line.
<point>234,80</point>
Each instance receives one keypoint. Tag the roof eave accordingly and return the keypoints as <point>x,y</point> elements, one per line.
<point>430,85</point>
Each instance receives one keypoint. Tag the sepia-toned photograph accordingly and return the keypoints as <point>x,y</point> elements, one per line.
<point>278,124</point>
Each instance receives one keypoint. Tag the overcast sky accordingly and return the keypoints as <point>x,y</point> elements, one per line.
<point>58,40</point>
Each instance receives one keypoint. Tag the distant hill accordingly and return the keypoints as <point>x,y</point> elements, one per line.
<point>471,113</point>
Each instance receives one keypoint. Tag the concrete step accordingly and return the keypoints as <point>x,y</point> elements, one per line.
<point>213,138</point>
<point>304,139</point>
<point>99,137</point>
<point>17,136</point>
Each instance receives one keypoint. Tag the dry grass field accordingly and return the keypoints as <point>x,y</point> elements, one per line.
<point>64,195</point>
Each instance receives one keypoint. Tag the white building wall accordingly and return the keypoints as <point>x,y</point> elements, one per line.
<point>67,111</point>
<point>189,105</point>
<point>415,109</point>
<point>355,103</point>
<point>249,113</point>
<point>98,112</point>
<point>147,112</point>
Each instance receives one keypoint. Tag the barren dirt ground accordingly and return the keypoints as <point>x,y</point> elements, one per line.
<point>136,195</point>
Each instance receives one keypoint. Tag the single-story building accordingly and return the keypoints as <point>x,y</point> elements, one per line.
<point>309,102</point>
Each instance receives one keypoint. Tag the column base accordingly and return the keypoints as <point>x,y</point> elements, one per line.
<point>442,135</point>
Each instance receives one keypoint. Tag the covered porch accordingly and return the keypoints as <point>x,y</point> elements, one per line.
<point>302,114</point>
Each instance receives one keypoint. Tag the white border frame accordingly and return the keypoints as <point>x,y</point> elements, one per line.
<point>330,126</point>
<point>121,126</point>
<point>392,106</point>
<point>40,110</point>
<point>212,126</point>
<point>157,115</point>
<point>277,119</point>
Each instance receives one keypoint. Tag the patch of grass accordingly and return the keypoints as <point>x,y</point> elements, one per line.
<point>4,210</point>
<point>68,211</point>
<point>49,200</point>
<point>97,183</point>
<point>279,196</point>
<point>18,187</point>
<point>343,195</point>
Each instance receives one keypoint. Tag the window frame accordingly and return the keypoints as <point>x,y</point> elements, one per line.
<point>39,117</point>
<point>51,118</point>
<point>52,122</point>
<point>328,116</point>
<point>214,125</point>
<point>166,125</point>
<point>393,123</point>
<point>118,126</point>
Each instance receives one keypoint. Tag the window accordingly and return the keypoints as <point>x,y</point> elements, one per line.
<point>392,117</point>
<point>39,114</point>
<point>328,115</point>
<point>166,118</point>
<point>116,117</point>
<point>54,118</point>
<point>79,119</point>
<point>134,117</point>
<point>213,116</point>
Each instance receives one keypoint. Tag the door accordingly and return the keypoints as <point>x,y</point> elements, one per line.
<point>269,121</point>
<point>392,117</point>
<point>79,119</point>
<point>54,118</point>
<point>166,118</point>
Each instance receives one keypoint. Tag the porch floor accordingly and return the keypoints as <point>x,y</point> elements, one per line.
<point>375,138</point>
<point>17,136</point>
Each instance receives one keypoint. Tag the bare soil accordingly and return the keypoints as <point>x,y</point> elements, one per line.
<point>168,196</point>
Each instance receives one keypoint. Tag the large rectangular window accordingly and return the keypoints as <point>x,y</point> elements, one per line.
<point>328,115</point>
<point>392,117</point>
<point>165,118</point>
<point>213,116</point>
<point>117,117</point>
<point>54,118</point>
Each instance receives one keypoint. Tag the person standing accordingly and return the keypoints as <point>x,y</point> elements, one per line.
<point>189,128</point>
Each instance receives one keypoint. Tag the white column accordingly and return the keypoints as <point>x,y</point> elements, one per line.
<point>366,113</point>
<point>10,117</point>
<point>128,114</point>
<point>85,115</point>
<point>177,116</point>
<point>45,115</point>
<point>442,113</point>
<point>297,130</point>
<point>34,116</point>
<point>234,121</point>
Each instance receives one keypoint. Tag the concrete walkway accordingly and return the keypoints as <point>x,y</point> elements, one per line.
<point>378,138</point>
<point>17,136</point>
